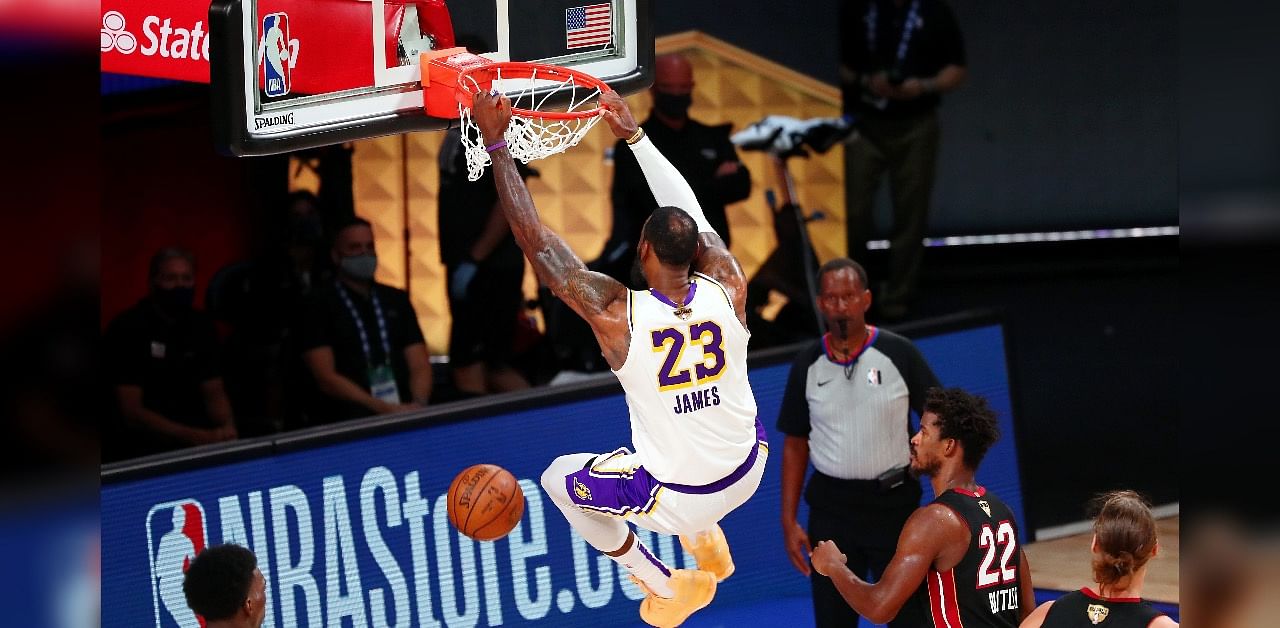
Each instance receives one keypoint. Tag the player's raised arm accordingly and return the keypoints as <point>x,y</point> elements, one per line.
<point>671,189</point>
<point>557,266</point>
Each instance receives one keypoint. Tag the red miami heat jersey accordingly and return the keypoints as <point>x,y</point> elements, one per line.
<point>984,588</point>
<point>693,416</point>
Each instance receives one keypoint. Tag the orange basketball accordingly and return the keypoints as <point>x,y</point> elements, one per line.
<point>485,502</point>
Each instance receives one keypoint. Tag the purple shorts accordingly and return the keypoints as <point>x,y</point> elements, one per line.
<point>611,486</point>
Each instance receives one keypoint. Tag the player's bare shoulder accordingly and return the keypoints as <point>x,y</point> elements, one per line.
<point>599,295</point>
<point>936,530</point>
<point>716,261</point>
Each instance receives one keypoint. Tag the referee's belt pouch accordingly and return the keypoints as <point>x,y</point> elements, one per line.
<point>891,479</point>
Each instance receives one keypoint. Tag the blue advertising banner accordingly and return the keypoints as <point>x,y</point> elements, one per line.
<point>356,533</point>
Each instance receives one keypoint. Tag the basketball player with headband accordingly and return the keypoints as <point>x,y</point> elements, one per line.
<point>679,349</point>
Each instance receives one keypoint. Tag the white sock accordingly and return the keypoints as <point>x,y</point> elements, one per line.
<point>645,566</point>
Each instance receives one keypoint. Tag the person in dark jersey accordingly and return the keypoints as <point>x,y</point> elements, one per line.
<point>958,561</point>
<point>1124,539</point>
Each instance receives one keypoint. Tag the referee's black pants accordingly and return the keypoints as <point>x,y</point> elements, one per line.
<point>864,522</point>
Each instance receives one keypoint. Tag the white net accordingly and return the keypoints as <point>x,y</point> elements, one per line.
<point>530,137</point>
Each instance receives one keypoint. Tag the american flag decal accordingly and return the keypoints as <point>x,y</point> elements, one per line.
<point>588,26</point>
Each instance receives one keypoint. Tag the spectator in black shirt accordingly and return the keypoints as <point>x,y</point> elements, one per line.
<point>702,153</point>
<point>259,300</point>
<point>897,58</point>
<point>163,357</point>
<point>360,339</point>
<point>485,273</point>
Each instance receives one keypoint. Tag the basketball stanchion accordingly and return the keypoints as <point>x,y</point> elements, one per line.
<point>552,109</point>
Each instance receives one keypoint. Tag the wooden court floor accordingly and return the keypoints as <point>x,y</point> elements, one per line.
<point>1063,564</point>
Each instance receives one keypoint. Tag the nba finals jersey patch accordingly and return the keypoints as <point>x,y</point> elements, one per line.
<point>982,503</point>
<point>1097,613</point>
<point>581,490</point>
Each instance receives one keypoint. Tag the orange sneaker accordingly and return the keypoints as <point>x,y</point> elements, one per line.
<point>694,589</point>
<point>711,551</point>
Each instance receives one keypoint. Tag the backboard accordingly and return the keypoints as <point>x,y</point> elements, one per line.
<point>293,74</point>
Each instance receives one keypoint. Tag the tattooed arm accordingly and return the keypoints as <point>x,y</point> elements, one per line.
<point>598,298</point>
<point>670,188</point>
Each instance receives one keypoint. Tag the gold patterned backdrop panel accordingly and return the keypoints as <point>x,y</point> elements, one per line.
<point>396,178</point>
<point>378,185</point>
<point>426,274</point>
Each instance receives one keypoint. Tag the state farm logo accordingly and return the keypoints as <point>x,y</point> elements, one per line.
<point>172,38</point>
<point>160,36</point>
<point>175,534</point>
<point>114,36</point>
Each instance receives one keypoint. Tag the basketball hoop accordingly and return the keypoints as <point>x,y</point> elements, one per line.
<point>453,77</point>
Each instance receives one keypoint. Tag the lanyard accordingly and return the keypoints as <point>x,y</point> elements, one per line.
<point>913,22</point>
<point>364,336</point>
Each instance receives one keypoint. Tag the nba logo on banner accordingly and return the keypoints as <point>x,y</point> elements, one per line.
<point>276,77</point>
<point>175,534</point>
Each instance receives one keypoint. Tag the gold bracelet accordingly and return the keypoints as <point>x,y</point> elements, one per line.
<point>636,137</point>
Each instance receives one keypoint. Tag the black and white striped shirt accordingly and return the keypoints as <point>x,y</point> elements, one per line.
<point>856,414</point>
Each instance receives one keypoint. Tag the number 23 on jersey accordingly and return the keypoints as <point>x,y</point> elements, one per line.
<point>673,341</point>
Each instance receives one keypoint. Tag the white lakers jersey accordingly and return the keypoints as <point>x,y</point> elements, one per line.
<point>693,414</point>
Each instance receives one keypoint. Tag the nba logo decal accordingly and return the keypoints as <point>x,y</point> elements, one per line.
<point>276,76</point>
<point>175,534</point>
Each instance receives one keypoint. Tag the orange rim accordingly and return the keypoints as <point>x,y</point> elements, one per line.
<point>525,70</point>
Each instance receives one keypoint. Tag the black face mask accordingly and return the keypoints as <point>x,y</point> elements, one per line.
<point>675,106</point>
<point>175,300</point>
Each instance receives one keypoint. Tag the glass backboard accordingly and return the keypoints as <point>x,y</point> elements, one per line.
<point>293,74</point>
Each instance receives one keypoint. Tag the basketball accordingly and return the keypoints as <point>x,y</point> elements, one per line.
<point>485,502</point>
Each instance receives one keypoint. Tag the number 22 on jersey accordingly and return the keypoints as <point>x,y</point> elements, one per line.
<point>673,340</point>
<point>989,540</point>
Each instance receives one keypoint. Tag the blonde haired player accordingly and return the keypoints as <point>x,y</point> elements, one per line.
<point>680,351</point>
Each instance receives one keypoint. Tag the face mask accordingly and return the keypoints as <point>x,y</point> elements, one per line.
<point>674,106</point>
<point>175,299</point>
<point>359,266</point>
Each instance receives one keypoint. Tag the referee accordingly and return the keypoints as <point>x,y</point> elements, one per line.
<point>847,407</point>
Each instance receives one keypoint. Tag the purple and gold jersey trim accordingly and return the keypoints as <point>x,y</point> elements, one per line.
<point>623,490</point>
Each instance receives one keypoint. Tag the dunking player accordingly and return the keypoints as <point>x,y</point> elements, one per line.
<point>680,351</point>
<point>958,562</point>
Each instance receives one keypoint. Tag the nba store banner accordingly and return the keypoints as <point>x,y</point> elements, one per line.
<point>356,534</point>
